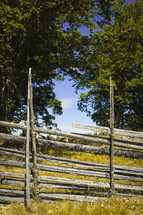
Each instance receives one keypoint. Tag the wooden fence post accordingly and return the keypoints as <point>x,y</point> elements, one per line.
<point>34,170</point>
<point>112,185</point>
<point>27,147</point>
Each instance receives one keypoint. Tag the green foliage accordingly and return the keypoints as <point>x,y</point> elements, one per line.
<point>117,51</point>
<point>43,35</point>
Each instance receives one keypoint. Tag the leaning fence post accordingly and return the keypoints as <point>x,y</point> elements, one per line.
<point>27,147</point>
<point>112,185</point>
<point>34,170</point>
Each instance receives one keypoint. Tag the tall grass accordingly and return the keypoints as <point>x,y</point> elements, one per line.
<point>111,206</point>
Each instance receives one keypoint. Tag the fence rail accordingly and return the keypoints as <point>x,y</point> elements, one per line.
<point>76,147</point>
<point>60,160</point>
<point>99,170</point>
<point>93,139</point>
<point>101,129</point>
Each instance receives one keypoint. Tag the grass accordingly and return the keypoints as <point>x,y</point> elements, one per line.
<point>103,159</point>
<point>109,206</point>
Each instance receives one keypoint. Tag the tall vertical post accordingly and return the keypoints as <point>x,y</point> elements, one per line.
<point>34,170</point>
<point>27,148</point>
<point>112,185</point>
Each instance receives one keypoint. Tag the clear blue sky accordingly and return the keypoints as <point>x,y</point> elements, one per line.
<point>65,93</point>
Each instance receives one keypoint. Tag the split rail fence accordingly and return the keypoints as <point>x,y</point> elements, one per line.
<point>26,175</point>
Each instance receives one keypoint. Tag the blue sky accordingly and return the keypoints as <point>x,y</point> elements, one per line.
<point>65,93</point>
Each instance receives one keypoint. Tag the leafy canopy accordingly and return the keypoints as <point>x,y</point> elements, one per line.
<point>43,35</point>
<point>116,50</point>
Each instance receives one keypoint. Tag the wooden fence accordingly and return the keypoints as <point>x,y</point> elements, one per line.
<point>75,189</point>
<point>26,175</point>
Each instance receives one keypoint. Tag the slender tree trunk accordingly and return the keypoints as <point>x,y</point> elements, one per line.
<point>3,98</point>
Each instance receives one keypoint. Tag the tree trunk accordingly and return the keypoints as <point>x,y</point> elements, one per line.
<point>3,97</point>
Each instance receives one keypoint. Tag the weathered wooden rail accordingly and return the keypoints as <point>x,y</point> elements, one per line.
<point>106,130</point>
<point>76,147</point>
<point>90,139</point>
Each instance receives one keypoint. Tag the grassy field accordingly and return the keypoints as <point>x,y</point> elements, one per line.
<point>111,206</point>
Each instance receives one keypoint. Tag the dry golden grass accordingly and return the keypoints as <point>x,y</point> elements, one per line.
<point>103,159</point>
<point>111,206</point>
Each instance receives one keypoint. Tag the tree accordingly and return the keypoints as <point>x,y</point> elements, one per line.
<point>116,50</point>
<point>43,35</point>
